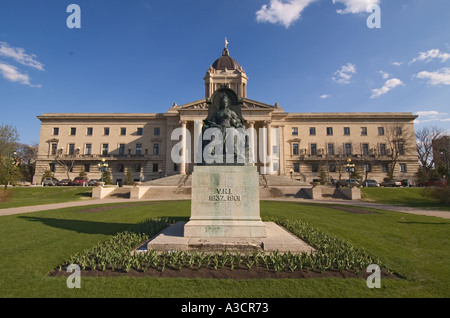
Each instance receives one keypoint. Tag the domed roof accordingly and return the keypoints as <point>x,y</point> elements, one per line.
<point>225,62</point>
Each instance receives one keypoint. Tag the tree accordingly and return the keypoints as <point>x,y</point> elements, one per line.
<point>128,177</point>
<point>107,177</point>
<point>9,171</point>
<point>67,161</point>
<point>400,141</point>
<point>424,143</point>
<point>28,157</point>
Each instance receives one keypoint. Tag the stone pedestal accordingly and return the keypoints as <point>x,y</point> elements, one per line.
<point>225,203</point>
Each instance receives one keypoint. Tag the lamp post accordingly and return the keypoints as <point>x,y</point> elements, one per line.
<point>445,153</point>
<point>103,166</point>
<point>350,168</point>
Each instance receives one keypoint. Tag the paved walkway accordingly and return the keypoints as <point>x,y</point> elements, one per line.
<point>395,208</point>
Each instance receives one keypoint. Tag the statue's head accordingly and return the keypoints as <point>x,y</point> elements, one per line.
<point>224,101</point>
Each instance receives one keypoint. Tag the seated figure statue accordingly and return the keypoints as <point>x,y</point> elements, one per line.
<point>224,117</point>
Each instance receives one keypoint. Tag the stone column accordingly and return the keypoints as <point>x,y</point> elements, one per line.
<point>183,149</point>
<point>281,150</point>
<point>269,145</point>
<point>252,140</point>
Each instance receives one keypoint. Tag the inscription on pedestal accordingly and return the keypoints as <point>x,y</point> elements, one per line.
<point>224,194</point>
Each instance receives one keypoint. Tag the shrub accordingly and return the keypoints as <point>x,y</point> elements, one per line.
<point>440,194</point>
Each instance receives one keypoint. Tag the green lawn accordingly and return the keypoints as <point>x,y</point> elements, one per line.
<point>414,246</point>
<point>26,196</point>
<point>413,197</point>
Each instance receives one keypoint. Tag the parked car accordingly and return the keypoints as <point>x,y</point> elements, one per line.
<point>79,181</point>
<point>351,182</point>
<point>434,183</point>
<point>92,182</point>
<point>49,182</point>
<point>65,182</point>
<point>370,183</point>
<point>390,183</point>
<point>406,183</point>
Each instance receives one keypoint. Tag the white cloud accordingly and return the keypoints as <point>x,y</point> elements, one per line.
<point>355,6</point>
<point>11,74</point>
<point>390,84</point>
<point>426,116</point>
<point>431,55</point>
<point>284,12</point>
<point>397,63</point>
<point>325,96</point>
<point>19,55</point>
<point>344,74</point>
<point>384,74</point>
<point>436,78</point>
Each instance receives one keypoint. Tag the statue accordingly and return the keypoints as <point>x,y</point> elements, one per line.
<point>224,113</point>
<point>224,117</point>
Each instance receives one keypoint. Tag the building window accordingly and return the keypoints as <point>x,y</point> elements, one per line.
<point>73,131</point>
<point>329,131</point>
<point>139,149</point>
<point>88,150</point>
<point>156,149</point>
<point>89,131</point>
<point>331,149</point>
<point>295,149</point>
<point>121,149</point>
<point>348,149</point>
<point>140,131</point>
<point>275,150</point>
<point>54,149</point>
<point>156,131</point>
<point>55,131</point>
<point>367,167</point>
<point>52,167</point>
<point>105,149</point>
<point>87,167</point>
<point>346,131</point>
<point>120,167</point>
<point>296,167</point>
<point>123,131</point>
<point>403,167</point>
<point>365,149</point>
<point>155,167</point>
<point>294,131</point>
<point>363,131</point>
<point>384,167</point>
<point>137,167</point>
<point>312,131</point>
<point>106,131</point>
<point>314,149</point>
<point>380,131</point>
<point>398,131</point>
<point>314,167</point>
<point>401,148</point>
<point>175,167</point>
<point>332,167</point>
<point>71,149</point>
<point>382,149</point>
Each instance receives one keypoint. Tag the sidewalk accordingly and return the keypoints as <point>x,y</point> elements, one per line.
<point>394,208</point>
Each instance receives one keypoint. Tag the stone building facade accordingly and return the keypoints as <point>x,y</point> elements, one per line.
<point>301,145</point>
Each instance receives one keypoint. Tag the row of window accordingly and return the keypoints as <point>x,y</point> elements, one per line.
<point>348,149</point>
<point>137,167</point>
<point>330,131</point>
<point>106,131</point>
<point>105,149</point>
<point>332,167</point>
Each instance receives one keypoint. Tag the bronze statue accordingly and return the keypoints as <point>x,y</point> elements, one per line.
<point>224,117</point>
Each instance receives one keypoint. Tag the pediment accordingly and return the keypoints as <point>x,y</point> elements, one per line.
<point>246,104</point>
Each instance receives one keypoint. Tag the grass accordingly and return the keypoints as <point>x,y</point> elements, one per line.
<point>26,196</point>
<point>413,197</point>
<point>414,246</point>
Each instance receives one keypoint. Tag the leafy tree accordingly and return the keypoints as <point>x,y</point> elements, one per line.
<point>9,171</point>
<point>107,177</point>
<point>323,177</point>
<point>47,174</point>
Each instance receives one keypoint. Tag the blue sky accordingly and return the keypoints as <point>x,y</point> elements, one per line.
<point>144,55</point>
